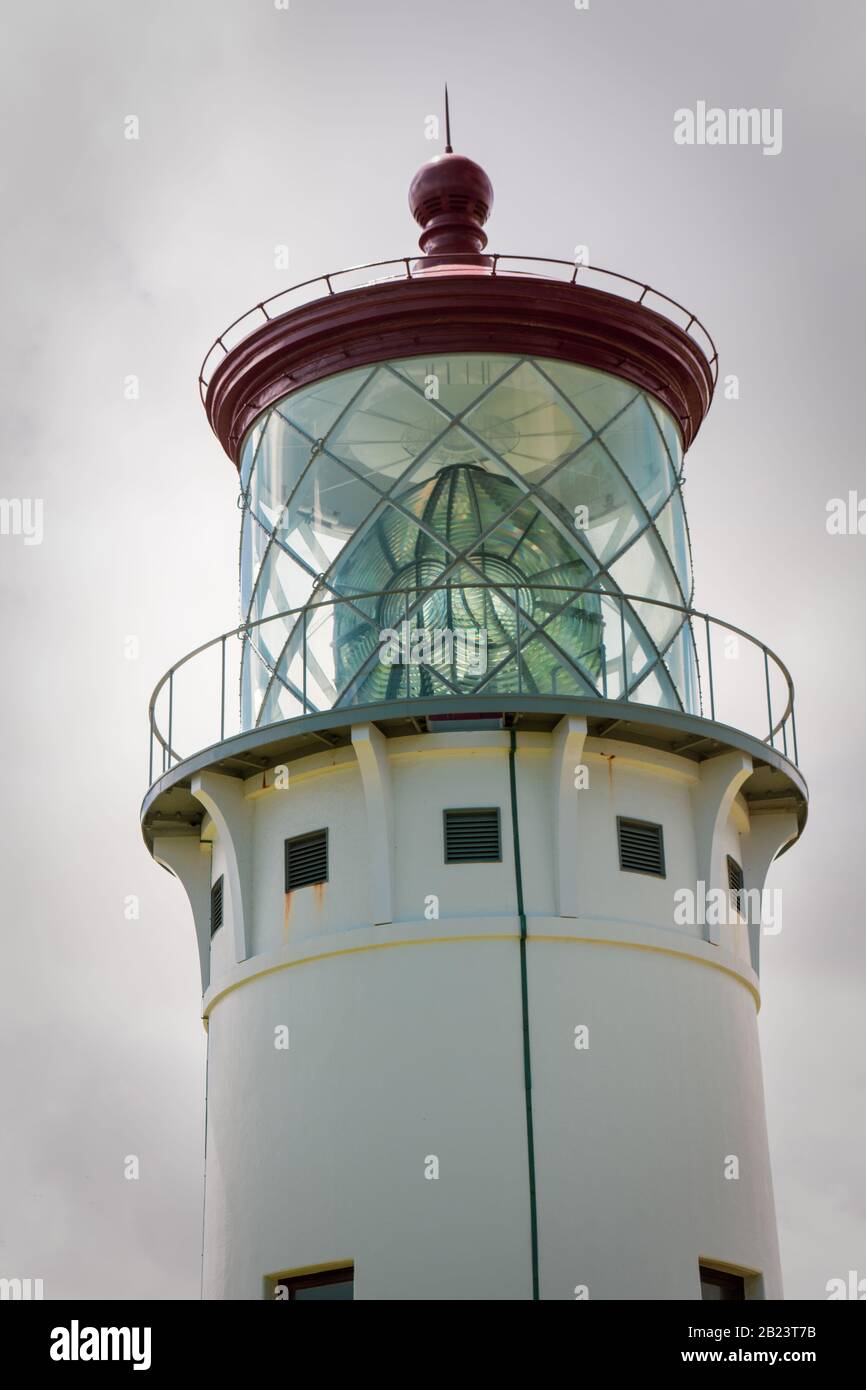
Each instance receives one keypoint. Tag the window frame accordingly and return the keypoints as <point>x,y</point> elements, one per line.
<point>722,1279</point>
<point>322,1277</point>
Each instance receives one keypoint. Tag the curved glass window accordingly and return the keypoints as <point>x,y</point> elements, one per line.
<point>529,501</point>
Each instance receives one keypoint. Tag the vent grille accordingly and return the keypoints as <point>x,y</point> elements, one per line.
<point>735,882</point>
<point>216,905</point>
<point>641,847</point>
<point>458,203</point>
<point>473,836</point>
<point>306,860</point>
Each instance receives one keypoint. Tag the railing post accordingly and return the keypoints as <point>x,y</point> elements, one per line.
<point>304,660</point>
<point>517,641</point>
<point>223,693</point>
<point>788,744</point>
<point>170,714</point>
<point>408,646</point>
<point>710,668</point>
<point>769,706</point>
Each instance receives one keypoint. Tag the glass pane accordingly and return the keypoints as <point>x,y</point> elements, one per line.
<point>499,498</point>
<point>634,443</point>
<point>251,448</point>
<point>597,501</point>
<point>645,569</point>
<point>283,584</point>
<point>596,396</point>
<point>549,673</point>
<point>315,409</point>
<point>357,642</point>
<point>670,433</point>
<point>671,526</point>
<point>257,547</point>
<point>282,458</point>
<point>389,552</point>
<point>656,688</point>
<point>526,423</point>
<point>325,511</point>
<point>457,380</point>
<point>245,560</point>
<point>343,1293</point>
<point>389,425</point>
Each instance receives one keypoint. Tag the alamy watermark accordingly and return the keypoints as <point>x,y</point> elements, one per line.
<point>77,1343</point>
<point>21,1290</point>
<point>846,516</point>
<point>22,516</point>
<point>738,126</point>
<point>434,646</point>
<point>853,1287</point>
<point>725,907</point>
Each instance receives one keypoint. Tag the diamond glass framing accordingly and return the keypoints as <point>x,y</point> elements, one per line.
<point>533,501</point>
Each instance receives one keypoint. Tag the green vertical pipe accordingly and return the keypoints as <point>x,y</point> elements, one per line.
<point>524,1004</point>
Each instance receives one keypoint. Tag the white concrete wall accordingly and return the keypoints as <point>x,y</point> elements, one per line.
<point>221,954</point>
<point>326,795</point>
<point>406,1042</point>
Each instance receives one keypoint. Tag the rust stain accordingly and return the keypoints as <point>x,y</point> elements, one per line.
<point>610,758</point>
<point>319,893</point>
<point>287,912</point>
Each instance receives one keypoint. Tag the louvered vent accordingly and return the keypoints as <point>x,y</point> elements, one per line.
<point>306,860</point>
<point>216,905</point>
<point>735,882</point>
<point>473,837</point>
<point>641,847</point>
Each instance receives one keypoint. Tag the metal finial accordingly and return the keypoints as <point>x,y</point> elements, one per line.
<point>448,149</point>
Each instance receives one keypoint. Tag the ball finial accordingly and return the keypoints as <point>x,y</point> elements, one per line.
<point>451,198</point>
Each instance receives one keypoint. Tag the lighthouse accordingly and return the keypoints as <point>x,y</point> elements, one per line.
<point>473,807</point>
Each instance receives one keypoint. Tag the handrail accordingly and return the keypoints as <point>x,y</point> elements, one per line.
<point>409,270</point>
<point>689,616</point>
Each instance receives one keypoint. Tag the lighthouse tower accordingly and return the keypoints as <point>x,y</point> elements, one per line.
<point>474,809</point>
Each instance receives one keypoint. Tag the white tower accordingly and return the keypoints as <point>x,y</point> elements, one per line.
<point>473,860</point>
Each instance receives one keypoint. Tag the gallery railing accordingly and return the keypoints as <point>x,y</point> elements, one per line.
<point>410,267</point>
<point>544,640</point>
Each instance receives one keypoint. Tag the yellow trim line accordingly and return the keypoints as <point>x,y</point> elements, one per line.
<point>491,936</point>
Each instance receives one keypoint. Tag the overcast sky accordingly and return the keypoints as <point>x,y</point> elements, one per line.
<point>260,127</point>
